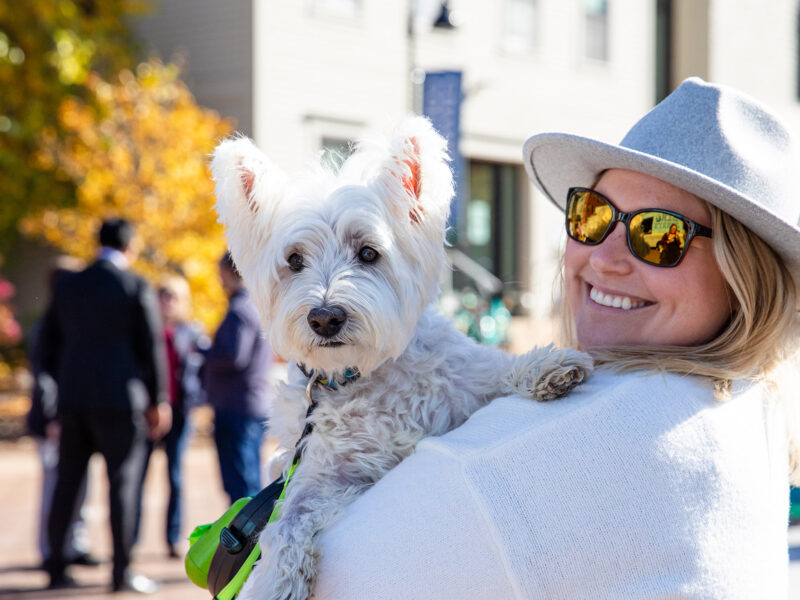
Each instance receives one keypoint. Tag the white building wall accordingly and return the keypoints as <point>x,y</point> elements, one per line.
<point>754,47</point>
<point>318,74</point>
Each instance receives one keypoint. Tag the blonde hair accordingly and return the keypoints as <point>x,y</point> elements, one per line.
<point>759,342</point>
<point>179,288</point>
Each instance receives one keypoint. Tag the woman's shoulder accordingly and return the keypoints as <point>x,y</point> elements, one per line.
<point>624,405</point>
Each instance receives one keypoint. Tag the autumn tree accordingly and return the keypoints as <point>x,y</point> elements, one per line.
<point>47,50</point>
<point>138,148</point>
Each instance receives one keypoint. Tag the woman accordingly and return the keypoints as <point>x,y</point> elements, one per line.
<point>182,342</point>
<point>666,475</point>
<point>670,245</point>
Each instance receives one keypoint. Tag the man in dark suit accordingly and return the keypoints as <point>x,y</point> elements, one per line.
<point>101,341</point>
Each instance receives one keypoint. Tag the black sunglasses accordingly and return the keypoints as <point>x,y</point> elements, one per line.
<point>657,237</point>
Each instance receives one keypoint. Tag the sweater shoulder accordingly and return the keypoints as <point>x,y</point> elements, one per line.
<point>606,401</point>
<point>626,474</point>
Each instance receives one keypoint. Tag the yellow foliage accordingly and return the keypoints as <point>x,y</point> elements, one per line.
<point>139,150</point>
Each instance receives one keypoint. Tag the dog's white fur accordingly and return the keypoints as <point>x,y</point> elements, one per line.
<point>420,376</point>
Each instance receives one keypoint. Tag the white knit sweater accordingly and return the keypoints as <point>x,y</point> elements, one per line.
<point>633,486</point>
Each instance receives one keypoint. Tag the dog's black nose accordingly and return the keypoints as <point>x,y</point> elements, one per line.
<point>327,321</point>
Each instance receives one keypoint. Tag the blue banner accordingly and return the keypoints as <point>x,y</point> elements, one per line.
<point>441,103</point>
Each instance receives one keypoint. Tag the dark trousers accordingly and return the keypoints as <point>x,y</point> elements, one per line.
<point>238,439</point>
<point>174,444</point>
<point>122,440</point>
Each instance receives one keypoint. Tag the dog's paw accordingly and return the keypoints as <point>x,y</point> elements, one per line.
<point>547,374</point>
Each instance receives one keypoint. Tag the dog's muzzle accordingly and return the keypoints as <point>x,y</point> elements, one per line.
<point>327,321</point>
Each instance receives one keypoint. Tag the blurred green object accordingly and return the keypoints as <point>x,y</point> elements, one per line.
<point>794,504</point>
<point>485,322</point>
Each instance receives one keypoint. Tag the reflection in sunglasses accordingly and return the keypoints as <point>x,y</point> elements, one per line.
<point>671,245</point>
<point>639,242</point>
<point>595,226</point>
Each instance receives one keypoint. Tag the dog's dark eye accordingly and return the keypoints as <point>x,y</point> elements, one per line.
<point>296,262</point>
<point>367,254</point>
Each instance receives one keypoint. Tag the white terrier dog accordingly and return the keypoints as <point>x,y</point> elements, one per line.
<point>344,268</point>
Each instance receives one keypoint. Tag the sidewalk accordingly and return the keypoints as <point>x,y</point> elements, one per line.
<point>20,578</point>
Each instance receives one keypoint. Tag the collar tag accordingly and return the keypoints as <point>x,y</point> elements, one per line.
<point>351,374</point>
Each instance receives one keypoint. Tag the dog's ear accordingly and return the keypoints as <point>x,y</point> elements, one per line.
<point>244,177</point>
<point>415,178</point>
<point>247,186</point>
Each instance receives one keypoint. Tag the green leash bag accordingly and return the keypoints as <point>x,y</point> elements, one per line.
<point>222,553</point>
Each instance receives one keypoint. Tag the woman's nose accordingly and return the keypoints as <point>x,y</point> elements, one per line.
<point>612,254</point>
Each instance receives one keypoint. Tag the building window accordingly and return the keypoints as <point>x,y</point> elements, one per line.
<point>491,232</point>
<point>335,151</point>
<point>663,49</point>
<point>521,24</point>
<point>596,17</point>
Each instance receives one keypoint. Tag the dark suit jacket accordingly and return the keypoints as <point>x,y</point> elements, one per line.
<point>101,341</point>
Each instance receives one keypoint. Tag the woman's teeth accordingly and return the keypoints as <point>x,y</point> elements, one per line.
<point>622,302</point>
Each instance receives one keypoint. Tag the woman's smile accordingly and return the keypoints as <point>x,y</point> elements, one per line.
<point>617,299</point>
<point>614,299</point>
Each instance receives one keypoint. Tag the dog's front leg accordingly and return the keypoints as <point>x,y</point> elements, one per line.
<point>287,567</point>
<point>540,374</point>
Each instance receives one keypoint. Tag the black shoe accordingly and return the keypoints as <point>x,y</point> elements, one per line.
<point>172,551</point>
<point>61,580</point>
<point>86,560</point>
<point>135,583</point>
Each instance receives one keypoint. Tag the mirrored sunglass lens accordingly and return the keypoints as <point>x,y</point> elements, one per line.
<point>658,237</point>
<point>588,216</point>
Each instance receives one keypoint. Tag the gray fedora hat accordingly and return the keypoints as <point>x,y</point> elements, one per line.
<point>710,140</point>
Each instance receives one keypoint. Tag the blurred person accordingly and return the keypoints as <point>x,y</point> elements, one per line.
<point>102,343</point>
<point>42,425</point>
<point>236,375</point>
<point>670,245</point>
<point>183,341</point>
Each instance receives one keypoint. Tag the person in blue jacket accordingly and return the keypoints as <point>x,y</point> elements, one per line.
<point>236,376</point>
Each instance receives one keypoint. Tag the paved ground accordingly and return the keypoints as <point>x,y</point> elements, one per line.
<point>204,501</point>
<point>19,481</point>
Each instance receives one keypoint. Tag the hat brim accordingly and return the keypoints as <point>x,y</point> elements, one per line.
<point>556,162</point>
